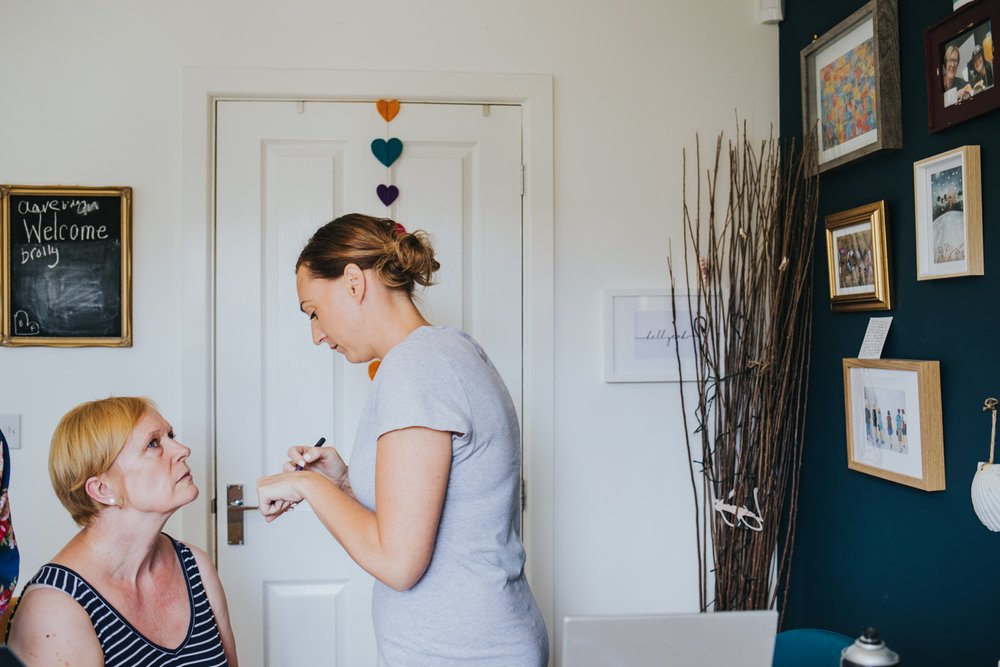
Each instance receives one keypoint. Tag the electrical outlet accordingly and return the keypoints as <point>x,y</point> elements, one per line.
<point>11,427</point>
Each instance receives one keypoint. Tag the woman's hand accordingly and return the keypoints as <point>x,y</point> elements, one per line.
<point>277,494</point>
<point>324,460</point>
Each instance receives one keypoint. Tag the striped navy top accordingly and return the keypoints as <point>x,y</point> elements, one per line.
<point>123,645</point>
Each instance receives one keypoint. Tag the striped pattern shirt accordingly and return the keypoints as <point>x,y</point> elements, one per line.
<point>123,645</point>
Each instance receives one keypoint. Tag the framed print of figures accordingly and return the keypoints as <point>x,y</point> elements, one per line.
<point>850,86</point>
<point>858,259</point>
<point>640,344</point>
<point>960,64</point>
<point>949,214</point>
<point>893,412</point>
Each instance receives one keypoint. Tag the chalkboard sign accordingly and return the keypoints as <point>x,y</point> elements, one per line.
<point>66,268</point>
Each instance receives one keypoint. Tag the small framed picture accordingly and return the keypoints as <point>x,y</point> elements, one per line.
<point>858,259</point>
<point>949,213</point>
<point>893,412</point>
<point>640,343</point>
<point>850,86</point>
<point>65,266</point>
<point>959,65</point>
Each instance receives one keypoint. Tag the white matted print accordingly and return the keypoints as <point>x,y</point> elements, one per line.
<point>949,214</point>
<point>640,344</point>
<point>894,420</point>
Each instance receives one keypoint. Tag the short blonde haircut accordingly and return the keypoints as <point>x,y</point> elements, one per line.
<point>86,443</point>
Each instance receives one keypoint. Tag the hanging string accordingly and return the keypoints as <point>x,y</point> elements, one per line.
<point>991,404</point>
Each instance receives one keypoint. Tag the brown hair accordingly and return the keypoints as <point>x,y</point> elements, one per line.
<point>400,259</point>
<point>86,443</point>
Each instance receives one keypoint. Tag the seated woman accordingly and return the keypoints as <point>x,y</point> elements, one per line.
<point>121,592</point>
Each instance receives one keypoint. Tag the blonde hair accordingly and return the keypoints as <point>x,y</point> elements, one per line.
<point>398,258</point>
<point>86,443</point>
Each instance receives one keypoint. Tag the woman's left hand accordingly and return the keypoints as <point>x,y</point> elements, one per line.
<point>277,494</point>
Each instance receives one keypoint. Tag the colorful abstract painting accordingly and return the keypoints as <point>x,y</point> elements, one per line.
<point>847,95</point>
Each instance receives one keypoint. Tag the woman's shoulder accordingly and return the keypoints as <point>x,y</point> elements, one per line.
<point>49,622</point>
<point>186,551</point>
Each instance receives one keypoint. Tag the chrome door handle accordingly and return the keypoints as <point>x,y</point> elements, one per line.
<point>238,506</point>
<point>234,513</point>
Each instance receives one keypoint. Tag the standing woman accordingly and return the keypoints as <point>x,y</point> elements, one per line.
<point>429,504</point>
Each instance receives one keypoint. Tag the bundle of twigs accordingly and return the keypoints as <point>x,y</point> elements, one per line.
<point>751,313</point>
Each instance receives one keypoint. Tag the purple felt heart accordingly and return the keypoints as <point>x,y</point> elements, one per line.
<point>387,193</point>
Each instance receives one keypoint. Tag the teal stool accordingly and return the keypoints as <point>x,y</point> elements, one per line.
<point>809,647</point>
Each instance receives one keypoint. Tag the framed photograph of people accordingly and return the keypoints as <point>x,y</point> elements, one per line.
<point>858,259</point>
<point>893,413</point>
<point>850,86</point>
<point>948,198</point>
<point>640,342</point>
<point>960,64</point>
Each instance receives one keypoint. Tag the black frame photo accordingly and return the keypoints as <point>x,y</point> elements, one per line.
<point>960,64</point>
<point>65,266</point>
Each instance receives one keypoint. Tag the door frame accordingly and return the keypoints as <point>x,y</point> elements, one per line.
<point>202,88</point>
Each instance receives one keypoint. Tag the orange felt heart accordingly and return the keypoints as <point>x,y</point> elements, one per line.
<point>387,109</point>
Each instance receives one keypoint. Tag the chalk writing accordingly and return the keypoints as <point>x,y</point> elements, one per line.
<point>80,206</point>
<point>43,230</point>
<point>23,326</point>
<point>37,252</point>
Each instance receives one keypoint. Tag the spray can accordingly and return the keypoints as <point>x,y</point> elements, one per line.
<point>868,651</point>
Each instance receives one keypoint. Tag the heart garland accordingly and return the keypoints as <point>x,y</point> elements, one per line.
<point>387,193</point>
<point>387,151</point>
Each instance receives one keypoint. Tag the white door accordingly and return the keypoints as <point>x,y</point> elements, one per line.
<point>282,169</point>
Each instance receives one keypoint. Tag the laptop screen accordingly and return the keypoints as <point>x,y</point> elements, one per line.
<point>716,639</point>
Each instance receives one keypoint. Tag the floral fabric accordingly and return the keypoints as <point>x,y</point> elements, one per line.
<point>10,559</point>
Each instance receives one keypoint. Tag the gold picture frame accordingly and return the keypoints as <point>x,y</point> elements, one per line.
<point>905,444</point>
<point>858,259</point>
<point>65,266</point>
<point>948,197</point>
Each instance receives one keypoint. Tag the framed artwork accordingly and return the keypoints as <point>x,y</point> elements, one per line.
<point>65,266</point>
<point>960,64</point>
<point>948,196</point>
<point>858,259</point>
<point>893,412</point>
<point>850,86</point>
<point>640,344</point>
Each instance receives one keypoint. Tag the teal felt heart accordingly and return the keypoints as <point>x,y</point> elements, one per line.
<point>387,151</point>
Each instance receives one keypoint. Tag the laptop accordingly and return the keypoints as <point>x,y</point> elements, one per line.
<point>714,639</point>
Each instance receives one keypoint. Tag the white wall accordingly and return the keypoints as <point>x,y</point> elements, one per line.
<point>92,96</point>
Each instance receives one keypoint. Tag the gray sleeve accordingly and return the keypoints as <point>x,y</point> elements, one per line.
<point>417,386</point>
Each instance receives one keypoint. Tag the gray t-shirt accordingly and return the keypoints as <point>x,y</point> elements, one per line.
<point>473,605</point>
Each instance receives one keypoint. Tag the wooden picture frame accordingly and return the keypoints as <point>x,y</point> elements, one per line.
<point>858,259</point>
<point>850,86</point>
<point>957,89</point>
<point>906,443</point>
<point>65,266</point>
<point>639,337</point>
<point>948,198</point>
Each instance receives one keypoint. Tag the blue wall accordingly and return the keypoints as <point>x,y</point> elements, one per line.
<point>918,566</point>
